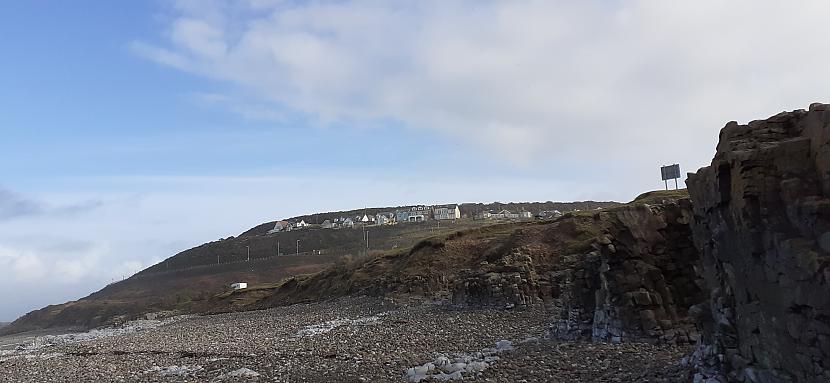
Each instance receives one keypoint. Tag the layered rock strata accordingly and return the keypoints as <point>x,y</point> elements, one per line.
<point>762,223</point>
<point>634,277</point>
<point>638,280</point>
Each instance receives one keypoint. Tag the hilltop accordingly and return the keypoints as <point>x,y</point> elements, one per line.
<point>468,210</point>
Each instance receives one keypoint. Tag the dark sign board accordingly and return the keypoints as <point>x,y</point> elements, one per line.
<point>670,172</point>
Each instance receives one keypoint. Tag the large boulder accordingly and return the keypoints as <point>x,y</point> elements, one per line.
<point>762,225</point>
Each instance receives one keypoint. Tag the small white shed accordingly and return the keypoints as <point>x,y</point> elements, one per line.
<point>239,285</point>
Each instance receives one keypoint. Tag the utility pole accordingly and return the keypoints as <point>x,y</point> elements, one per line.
<point>298,247</point>
<point>217,259</point>
<point>249,253</point>
<point>367,239</point>
<point>278,248</point>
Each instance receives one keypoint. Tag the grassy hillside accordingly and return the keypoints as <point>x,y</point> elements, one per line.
<point>190,281</point>
<point>187,281</point>
<point>312,240</point>
<point>438,256</point>
<point>432,262</point>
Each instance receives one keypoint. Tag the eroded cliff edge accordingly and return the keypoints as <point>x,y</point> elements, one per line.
<point>762,225</point>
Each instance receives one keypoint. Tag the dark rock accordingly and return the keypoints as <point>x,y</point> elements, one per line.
<point>762,215</point>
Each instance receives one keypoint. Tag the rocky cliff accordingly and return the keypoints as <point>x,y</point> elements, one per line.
<point>638,279</point>
<point>615,274</point>
<point>762,223</point>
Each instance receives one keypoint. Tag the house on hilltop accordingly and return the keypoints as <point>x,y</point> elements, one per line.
<point>447,212</point>
<point>384,218</point>
<point>505,214</point>
<point>414,214</point>
<point>367,219</point>
<point>549,214</point>
<point>280,226</point>
<point>484,215</point>
<point>301,224</point>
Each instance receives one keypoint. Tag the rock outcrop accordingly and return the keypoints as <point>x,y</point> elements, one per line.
<point>762,223</point>
<point>637,281</point>
<point>625,273</point>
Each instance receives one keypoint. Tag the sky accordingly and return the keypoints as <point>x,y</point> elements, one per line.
<point>130,131</point>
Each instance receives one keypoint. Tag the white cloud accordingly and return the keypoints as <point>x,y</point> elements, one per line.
<point>21,266</point>
<point>645,81</point>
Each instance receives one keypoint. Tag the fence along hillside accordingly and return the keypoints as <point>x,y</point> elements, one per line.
<point>332,242</point>
<point>255,264</point>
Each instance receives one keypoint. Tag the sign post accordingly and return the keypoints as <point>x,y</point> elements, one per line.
<point>669,172</point>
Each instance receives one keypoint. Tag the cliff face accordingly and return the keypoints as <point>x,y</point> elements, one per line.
<point>762,224</point>
<point>616,274</point>
<point>638,279</point>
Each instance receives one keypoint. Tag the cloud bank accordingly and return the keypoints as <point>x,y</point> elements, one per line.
<point>644,80</point>
<point>14,205</point>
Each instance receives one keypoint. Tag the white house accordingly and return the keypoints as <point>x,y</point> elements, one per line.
<point>280,226</point>
<point>327,224</point>
<point>301,224</point>
<point>484,215</point>
<point>549,214</point>
<point>447,212</point>
<point>348,222</point>
<point>385,218</point>
<point>239,285</point>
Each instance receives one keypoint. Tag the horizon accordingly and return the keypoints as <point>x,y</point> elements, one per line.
<point>133,131</point>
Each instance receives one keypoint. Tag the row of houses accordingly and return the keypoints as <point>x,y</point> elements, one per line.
<point>504,214</point>
<point>287,226</point>
<point>419,213</point>
<point>413,214</point>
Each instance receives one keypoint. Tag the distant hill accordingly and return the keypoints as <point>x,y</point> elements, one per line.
<point>467,210</point>
<point>187,281</point>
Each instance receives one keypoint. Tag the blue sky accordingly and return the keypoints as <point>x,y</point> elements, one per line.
<point>134,130</point>
<point>83,103</point>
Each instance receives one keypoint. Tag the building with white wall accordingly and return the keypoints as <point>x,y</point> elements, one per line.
<point>447,212</point>
<point>414,214</point>
<point>239,285</point>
